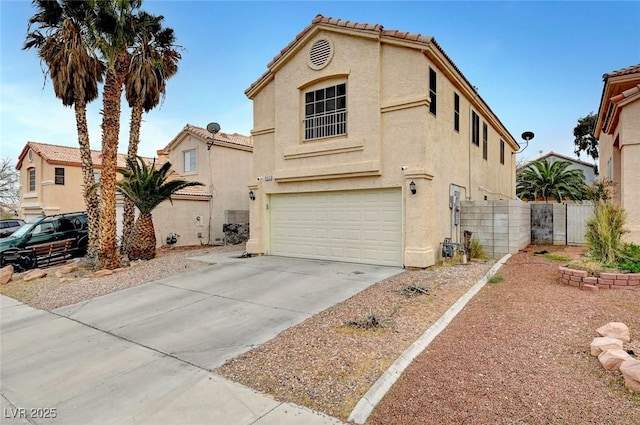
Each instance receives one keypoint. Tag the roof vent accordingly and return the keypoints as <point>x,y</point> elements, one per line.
<point>320,54</point>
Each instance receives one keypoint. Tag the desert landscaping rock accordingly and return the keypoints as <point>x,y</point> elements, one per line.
<point>604,343</point>
<point>33,274</point>
<point>631,372</point>
<point>6,274</point>
<point>102,273</point>
<point>617,330</point>
<point>611,359</point>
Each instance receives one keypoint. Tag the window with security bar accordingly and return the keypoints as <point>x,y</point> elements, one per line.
<point>325,112</point>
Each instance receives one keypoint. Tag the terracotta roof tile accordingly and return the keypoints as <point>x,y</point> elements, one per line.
<point>624,71</point>
<point>66,155</point>
<point>319,19</point>
<point>235,138</point>
<point>193,191</point>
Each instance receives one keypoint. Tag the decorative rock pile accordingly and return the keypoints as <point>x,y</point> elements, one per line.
<point>609,348</point>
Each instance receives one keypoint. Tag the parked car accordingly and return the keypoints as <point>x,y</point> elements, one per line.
<point>9,226</point>
<point>27,246</point>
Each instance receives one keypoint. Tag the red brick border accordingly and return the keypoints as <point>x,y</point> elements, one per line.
<point>581,279</point>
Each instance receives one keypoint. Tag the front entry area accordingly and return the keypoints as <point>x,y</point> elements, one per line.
<point>359,226</point>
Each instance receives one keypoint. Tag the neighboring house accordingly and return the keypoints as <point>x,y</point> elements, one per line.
<point>590,171</point>
<point>51,183</point>
<point>365,141</point>
<point>618,132</point>
<point>224,169</point>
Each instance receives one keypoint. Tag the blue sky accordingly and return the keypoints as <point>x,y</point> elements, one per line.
<point>538,65</point>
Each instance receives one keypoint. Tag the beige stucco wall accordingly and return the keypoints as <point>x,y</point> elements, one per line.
<point>187,218</point>
<point>625,166</point>
<point>224,171</point>
<point>389,127</point>
<point>49,198</point>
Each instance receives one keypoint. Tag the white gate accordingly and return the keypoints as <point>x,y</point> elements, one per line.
<point>577,216</point>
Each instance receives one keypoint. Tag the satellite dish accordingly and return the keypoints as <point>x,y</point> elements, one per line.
<point>528,135</point>
<point>213,127</point>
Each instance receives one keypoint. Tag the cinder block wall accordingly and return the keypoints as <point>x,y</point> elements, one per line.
<point>501,226</point>
<point>559,224</point>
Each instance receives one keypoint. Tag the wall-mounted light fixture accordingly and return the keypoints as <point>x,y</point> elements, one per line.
<point>412,187</point>
<point>213,128</point>
<point>252,195</point>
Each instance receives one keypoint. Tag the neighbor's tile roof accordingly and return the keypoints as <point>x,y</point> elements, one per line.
<point>624,71</point>
<point>235,138</point>
<point>66,155</point>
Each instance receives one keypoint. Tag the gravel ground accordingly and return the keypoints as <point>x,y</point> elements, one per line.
<point>518,353</point>
<point>50,292</point>
<point>328,366</point>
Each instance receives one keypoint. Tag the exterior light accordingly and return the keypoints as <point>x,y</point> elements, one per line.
<point>412,187</point>
<point>252,196</point>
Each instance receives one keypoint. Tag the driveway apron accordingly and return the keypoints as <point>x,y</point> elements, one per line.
<point>145,355</point>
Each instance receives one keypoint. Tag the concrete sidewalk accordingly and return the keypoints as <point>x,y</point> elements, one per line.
<point>145,355</point>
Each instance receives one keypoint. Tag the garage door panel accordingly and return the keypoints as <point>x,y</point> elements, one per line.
<point>357,226</point>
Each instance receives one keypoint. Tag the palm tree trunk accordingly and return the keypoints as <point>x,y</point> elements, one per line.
<point>143,239</point>
<point>89,191</point>
<point>108,255</point>
<point>129,214</point>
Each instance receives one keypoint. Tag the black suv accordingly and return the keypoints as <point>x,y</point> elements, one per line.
<point>9,226</point>
<point>23,248</point>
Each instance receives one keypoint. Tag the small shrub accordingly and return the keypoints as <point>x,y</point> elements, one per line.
<point>414,291</point>
<point>604,233</point>
<point>630,258</point>
<point>476,250</point>
<point>496,278</point>
<point>556,257</point>
<point>369,322</point>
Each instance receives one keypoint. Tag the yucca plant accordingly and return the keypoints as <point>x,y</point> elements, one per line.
<point>604,233</point>
<point>147,187</point>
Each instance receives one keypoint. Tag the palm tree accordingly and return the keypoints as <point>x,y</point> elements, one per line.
<point>153,61</point>
<point>116,26</point>
<point>551,180</point>
<point>60,39</point>
<point>147,187</point>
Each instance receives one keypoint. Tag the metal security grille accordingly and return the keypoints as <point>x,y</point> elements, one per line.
<point>320,53</point>
<point>325,112</point>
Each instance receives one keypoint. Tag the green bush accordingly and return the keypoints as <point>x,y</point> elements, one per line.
<point>476,250</point>
<point>630,260</point>
<point>604,233</point>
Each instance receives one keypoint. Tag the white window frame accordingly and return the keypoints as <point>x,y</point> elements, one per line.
<point>190,161</point>
<point>325,112</point>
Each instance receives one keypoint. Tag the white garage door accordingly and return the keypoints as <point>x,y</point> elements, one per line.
<point>363,226</point>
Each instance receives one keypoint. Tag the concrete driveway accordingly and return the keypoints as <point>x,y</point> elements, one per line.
<point>144,355</point>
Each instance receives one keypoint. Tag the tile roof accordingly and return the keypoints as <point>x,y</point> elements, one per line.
<point>624,71</point>
<point>235,138</point>
<point>59,154</point>
<point>376,28</point>
<point>193,191</point>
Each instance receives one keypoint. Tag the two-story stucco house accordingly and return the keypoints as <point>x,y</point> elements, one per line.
<point>365,141</point>
<point>51,183</point>
<point>618,133</point>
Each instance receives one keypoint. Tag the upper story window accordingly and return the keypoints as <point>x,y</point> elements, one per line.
<point>501,151</point>
<point>325,112</point>
<point>456,112</point>
<point>475,129</point>
<point>190,161</point>
<point>485,142</point>
<point>59,175</point>
<point>432,91</point>
<point>32,179</point>
<point>97,175</point>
